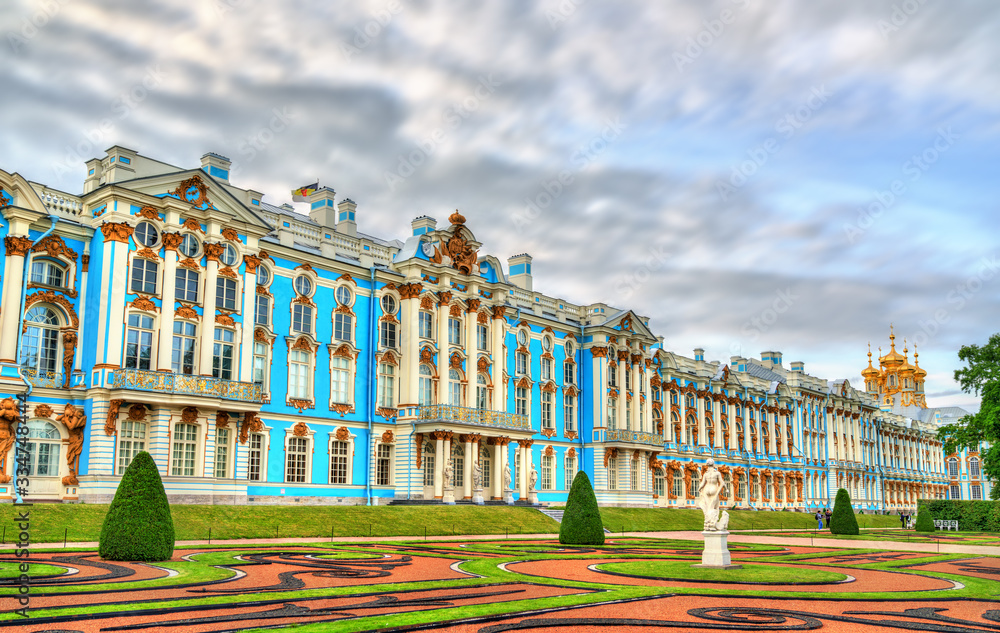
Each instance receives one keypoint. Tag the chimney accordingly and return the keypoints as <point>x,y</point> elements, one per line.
<point>699,353</point>
<point>798,366</point>
<point>321,207</point>
<point>216,166</point>
<point>254,198</point>
<point>94,172</point>
<point>118,166</point>
<point>346,222</point>
<point>519,271</point>
<point>737,363</point>
<point>770,359</point>
<point>423,224</point>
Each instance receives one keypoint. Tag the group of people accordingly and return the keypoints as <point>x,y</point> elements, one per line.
<point>821,515</point>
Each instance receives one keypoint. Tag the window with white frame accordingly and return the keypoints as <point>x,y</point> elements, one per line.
<point>302,318</point>
<point>184,345</point>
<point>569,412</point>
<point>131,440</point>
<point>485,462</point>
<point>186,285</point>
<point>190,246</point>
<point>40,341</point>
<point>262,310</point>
<point>546,373</point>
<point>612,374</point>
<point>547,468</point>
<point>343,295</point>
<point>454,388</point>
<point>298,374</point>
<point>482,337</point>
<point>569,373</point>
<point>303,286</point>
<point>338,462</point>
<point>185,450</point>
<point>977,492</point>
<point>952,467</point>
<point>628,378</point>
<point>547,422</point>
<point>47,273</point>
<point>343,326</point>
<point>628,413</point>
<point>388,304</point>
<point>424,386</point>
<point>255,457</point>
<point>678,484</point>
<point>954,492</point>
<point>458,467</point>
<point>695,483</point>
<point>146,234</point>
<point>727,484</point>
<point>482,392</point>
<point>139,341</point>
<point>521,364</point>
<point>260,353</point>
<point>612,413</point>
<point>612,473</point>
<point>974,467</point>
<point>383,465</point>
<point>428,464</point>
<point>386,385</point>
<point>743,487</point>
<point>225,293</point>
<point>454,331</point>
<point>221,453</point>
<point>387,334</point>
<point>569,466</point>
<point>223,353</point>
<point>635,474</point>
<point>521,401</point>
<point>144,276</point>
<point>658,482</point>
<point>340,375</point>
<point>296,459</point>
<point>425,323</point>
<point>263,275</point>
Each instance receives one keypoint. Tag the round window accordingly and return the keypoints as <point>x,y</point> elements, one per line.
<point>546,344</point>
<point>522,337</point>
<point>146,234</point>
<point>189,246</point>
<point>229,255</point>
<point>568,346</point>
<point>303,285</point>
<point>343,295</point>
<point>263,276</point>
<point>389,304</point>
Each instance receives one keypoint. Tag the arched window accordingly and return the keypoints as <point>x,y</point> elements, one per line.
<point>482,392</point>
<point>974,467</point>
<point>40,344</point>
<point>43,449</point>
<point>424,389</point>
<point>691,431</point>
<point>47,273</point>
<point>454,388</point>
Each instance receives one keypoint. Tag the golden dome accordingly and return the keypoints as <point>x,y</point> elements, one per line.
<point>906,367</point>
<point>918,371</point>
<point>870,372</point>
<point>893,359</point>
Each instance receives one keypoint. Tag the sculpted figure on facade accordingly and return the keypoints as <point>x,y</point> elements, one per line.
<point>9,418</point>
<point>506,476</point>
<point>75,420</point>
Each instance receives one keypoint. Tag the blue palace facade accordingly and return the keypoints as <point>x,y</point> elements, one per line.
<point>264,356</point>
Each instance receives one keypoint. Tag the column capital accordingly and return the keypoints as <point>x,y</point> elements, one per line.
<point>17,246</point>
<point>117,231</point>
<point>172,241</point>
<point>525,443</point>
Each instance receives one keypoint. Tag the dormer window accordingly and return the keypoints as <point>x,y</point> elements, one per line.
<point>47,272</point>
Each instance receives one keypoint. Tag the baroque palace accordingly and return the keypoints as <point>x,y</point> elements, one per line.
<point>264,356</point>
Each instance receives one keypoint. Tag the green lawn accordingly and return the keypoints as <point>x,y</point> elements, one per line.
<point>192,522</point>
<point>751,572</point>
<point>662,519</point>
<point>13,570</point>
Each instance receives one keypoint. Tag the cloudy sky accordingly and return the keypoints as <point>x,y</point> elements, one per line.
<point>752,175</point>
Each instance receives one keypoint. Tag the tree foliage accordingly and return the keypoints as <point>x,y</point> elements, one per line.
<point>843,520</point>
<point>976,431</point>
<point>925,520</point>
<point>581,522</point>
<point>138,525</point>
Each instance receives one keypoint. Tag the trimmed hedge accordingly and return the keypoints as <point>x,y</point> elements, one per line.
<point>925,522</point>
<point>972,516</point>
<point>581,522</point>
<point>843,520</point>
<point>138,525</point>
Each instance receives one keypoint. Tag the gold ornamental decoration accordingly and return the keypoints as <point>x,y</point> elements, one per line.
<point>110,423</point>
<point>17,246</point>
<point>49,296</point>
<point>149,213</point>
<point>252,262</point>
<point>388,438</point>
<point>342,434</point>
<point>230,234</point>
<point>75,421</point>
<point>43,411</point>
<point>189,415</point>
<point>301,429</point>
<point>137,412</point>
<point>225,319</point>
<point>221,420</point>
<point>69,350</point>
<point>214,250</point>
<point>54,246</point>
<point>499,311</point>
<point>116,232</point>
<point>144,304</point>
<point>193,225</point>
<point>172,241</point>
<point>198,196</point>
<point>251,424</point>
<point>10,417</point>
<point>186,312</point>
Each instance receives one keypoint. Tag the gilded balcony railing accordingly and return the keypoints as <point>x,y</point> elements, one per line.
<point>476,417</point>
<point>635,437</point>
<point>38,378</point>
<point>165,382</point>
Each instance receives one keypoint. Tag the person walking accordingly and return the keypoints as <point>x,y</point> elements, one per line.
<point>902,519</point>
<point>819,518</point>
<point>828,515</point>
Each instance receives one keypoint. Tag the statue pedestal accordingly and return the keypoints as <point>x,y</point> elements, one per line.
<point>449,496</point>
<point>716,552</point>
<point>477,497</point>
<point>532,497</point>
<point>508,496</point>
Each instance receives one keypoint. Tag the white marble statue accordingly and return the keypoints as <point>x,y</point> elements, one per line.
<point>506,476</point>
<point>447,474</point>
<point>532,478</point>
<point>708,499</point>
<point>477,474</point>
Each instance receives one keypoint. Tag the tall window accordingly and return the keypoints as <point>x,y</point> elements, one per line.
<point>678,484</point>
<point>482,337</point>
<point>521,366</point>
<point>43,449</point>
<point>255,457</point>
<point>40,342</point>
<point>47,273</point>
<point>339,378</point>
<point>546,370</point>
<point>429,464</point>
<point>182,354</point>
<point>628,413</point>
<point>569,373</point>
<point>569,465</point>
<point>454,332</point>
<point>298,374</point>
<point>221,453</point>
<point>338,463</point>
<point>658,482</point>
<point>262,310</point>
<point>458,467</point>
<point>547,472</point>
<point>612,413</point>
<point>521,401</point>
<point>386,385</point>
<point>977,492</point>
<point>387,334</point>
<point>695,483</point>
<point>225,293</point>
<point>547,422</point>
<point>295,460</point>
<point>743,487</point>
<point>222,354</point>
<point>569,412</point>
<point>139,341</point>
<point>184,450</point>
<point>454,388</point>
<point>635,474</point>
<point>954,492</point>
<point>259,361</point>
<point>612,374</point>
<point>628,378</point>
<point>131,440</point>
<point>727,482</point>
<point>424,322</point>
<point>612,473</point>
<point>186,285</point>
<point>974,467</point>
<point>343,326</point>
<point>424,389</point>
<point>482,392</point>
<point>144,276</point>
<point>952,467</point>
<point>302,318</point>
<point>383,460</point>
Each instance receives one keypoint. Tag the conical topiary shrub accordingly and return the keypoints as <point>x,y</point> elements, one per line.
<point>138,526</point>
<point>925,521</point>
<point>581,522</point>
<point>843,520</point>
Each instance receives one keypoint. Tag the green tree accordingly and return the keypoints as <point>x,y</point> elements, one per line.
<point>925,520</point>
<point>843,520</point>
<point>138,525</point>
<point>581,522</point>
<point>976,431</point>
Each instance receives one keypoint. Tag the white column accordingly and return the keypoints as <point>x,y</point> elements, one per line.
<point>682,414</point>
<point>499,465</point>
<point>440,456</point>
<point>17,250</point>
<point>498,327</point>
<point>249,316</point>
<point>113,307</point>
<point>470,456</point>
<point>165,347</point>
<point>702,433</point>
<point>410,365</point>
<point>207,334</point>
